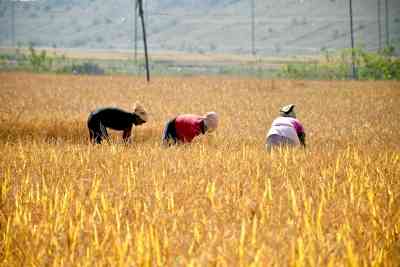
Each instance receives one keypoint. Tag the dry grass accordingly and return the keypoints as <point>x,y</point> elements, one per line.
<point>174,56</point>
<point>221,201</point>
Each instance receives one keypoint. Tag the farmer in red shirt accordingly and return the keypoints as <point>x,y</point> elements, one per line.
<point>184,128</point>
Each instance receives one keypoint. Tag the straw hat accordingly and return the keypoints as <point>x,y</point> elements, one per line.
<point>141,112</point>
<point>288,111</point>
<point>211,121</point>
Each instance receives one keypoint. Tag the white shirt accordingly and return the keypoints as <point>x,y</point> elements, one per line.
<point>287,127</point>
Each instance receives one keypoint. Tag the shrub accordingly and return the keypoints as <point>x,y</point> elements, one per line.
<point>370,66</point>
<point>39,61</point>
<point>378,67</point>
<point>84,68</point>
<point>314,71</point>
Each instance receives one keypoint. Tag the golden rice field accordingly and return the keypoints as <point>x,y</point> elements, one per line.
<point>220,201</point>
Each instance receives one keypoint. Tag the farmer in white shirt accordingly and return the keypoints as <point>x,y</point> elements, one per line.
<point>286,130</point>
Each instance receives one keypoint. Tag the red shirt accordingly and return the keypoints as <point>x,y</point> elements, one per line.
<point>188,126</point>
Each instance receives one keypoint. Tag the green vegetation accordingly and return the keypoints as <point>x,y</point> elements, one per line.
<point>39,62</point>
<point>370,66</point>
<point>84,68</point>
<point>42,61</point>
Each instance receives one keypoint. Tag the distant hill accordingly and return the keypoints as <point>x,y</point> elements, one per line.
<point>207,26</point>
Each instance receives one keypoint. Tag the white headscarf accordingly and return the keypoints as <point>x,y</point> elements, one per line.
<point>141,112</point>
<point>211,121</point>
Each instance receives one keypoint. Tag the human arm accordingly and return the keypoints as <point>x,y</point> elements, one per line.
<point>300,132</point>
<point>203,127</point>
<point>302,138</point>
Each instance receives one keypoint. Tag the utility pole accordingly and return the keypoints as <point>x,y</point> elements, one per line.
<point>144,40</point>
<point>13,23</point>
<point>379,27</point>
<point>136,30</point>
<point>387,23</point>
<point>353,56</point>
<point>131,24</point>
<point>253,50</point>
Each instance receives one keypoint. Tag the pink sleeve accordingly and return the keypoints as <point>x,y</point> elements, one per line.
<point>298,127</point>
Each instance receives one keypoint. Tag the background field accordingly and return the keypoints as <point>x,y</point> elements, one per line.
<point>222,200</point>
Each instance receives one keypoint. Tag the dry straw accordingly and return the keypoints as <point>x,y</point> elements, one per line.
<point>220,201</point>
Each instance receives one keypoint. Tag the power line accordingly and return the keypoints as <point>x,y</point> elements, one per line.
<point>269,19</point>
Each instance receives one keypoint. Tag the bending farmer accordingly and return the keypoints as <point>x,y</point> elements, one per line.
<point>184,128</point>
<point>286,130</point>
<point>116,119</point>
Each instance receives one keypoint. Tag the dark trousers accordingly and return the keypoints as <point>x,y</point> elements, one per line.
<point>169,134</point>
<point>97,131</point>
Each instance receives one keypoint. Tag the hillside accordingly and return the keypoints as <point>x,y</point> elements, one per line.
<point>280,27</point>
